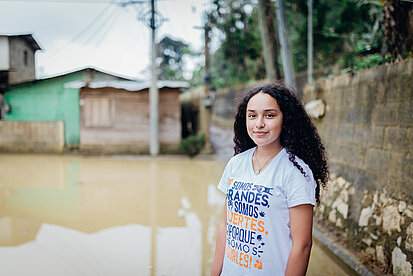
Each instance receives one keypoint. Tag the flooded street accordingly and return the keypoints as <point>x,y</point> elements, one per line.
<point>73,215</point>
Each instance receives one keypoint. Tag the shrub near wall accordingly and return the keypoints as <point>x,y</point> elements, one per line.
<point>368,130</point>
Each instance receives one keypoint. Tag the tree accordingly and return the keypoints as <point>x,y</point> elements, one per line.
<point>347,34</point>
<point>343,31</point>
<point>239,56</point>
<point>171,53</point>
<point>398,28</point>
<point>268,39</point>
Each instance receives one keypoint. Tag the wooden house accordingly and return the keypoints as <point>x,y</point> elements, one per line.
<point>114,116</point>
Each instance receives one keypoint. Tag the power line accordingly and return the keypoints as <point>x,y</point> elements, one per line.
<point>62,1</point>
<point>109,27</point>
<point>103,25</point>
<point>84,30</point>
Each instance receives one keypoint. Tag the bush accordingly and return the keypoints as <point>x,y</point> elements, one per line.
<point>192,145</point>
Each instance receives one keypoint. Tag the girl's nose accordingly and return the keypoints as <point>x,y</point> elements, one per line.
<point>260,122</point>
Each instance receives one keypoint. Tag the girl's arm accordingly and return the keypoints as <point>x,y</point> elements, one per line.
<point>220,244</point>
<point>301,223</point>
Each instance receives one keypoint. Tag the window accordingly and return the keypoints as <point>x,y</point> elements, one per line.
<point>97,112</point>
<point>26,58</point>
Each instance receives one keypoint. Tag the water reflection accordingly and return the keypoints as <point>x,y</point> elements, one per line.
<point>95,216</point>
<point>65,215</point>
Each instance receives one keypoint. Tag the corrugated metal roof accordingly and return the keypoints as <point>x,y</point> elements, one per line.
<point>87,68</point>
<point>127,85</point>
<point>29,39</point>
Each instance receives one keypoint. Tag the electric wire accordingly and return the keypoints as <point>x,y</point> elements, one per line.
<point>61,2</point>
<point>109,27</point>
<point>90,25</point>
<point>100,27</point>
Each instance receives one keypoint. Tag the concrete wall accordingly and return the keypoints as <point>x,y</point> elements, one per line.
<point>368,130</point>
<point>19,70</point>
<point>226,101</point>
<point>31,137</point>
<point>4,53</point>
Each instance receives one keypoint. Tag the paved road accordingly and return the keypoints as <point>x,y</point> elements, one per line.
<point>222,142</point>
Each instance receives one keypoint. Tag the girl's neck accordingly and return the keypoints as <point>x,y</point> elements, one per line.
<point>265,151</point>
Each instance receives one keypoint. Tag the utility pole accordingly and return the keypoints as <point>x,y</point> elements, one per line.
<point>153,92</point>
<point>268,39</point>
<point>206,97</point>
<point>310,42</point>
<point>285,45</point>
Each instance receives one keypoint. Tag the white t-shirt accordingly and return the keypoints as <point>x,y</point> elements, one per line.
<point>258,238</point>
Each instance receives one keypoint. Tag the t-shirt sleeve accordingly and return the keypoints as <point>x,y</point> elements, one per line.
<point>300,189</point>
<point>223,183</point>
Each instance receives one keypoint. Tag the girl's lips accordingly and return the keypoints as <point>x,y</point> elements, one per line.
<point>260,133</point>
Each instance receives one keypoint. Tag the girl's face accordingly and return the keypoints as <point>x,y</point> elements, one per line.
<point>264,120</point>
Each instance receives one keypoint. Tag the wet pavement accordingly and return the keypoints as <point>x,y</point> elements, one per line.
<point>74,215</point>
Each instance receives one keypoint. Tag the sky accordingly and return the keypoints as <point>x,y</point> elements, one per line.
<point>98,33</point>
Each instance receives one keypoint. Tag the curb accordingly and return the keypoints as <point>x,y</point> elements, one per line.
<point>344,255</point>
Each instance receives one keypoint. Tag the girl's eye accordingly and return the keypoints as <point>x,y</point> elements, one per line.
<point>251,115</point>
<point>270,115</point>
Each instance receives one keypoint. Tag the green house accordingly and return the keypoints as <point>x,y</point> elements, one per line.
<point>50,100</point>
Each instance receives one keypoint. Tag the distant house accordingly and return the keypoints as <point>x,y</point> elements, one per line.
<point>114,116</point>
<point>17,61</point>
<point>48,100</point>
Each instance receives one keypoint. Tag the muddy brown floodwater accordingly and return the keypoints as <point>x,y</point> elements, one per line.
<point>71,215</point>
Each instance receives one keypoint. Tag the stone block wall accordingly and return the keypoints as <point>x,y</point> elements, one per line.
<point>32,137</point>
<point>368,131</point>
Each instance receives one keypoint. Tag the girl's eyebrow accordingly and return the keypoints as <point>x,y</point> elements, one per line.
<point>266,110</point>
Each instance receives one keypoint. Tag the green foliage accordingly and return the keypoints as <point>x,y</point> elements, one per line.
<point>196,79</point>
<point>342,31</point>
<point>365,62</point>
<point>171,52</point>
<point>239,57</point>
<point>192,145</point>
<point>346,33</point>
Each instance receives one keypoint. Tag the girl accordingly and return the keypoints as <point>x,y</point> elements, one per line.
<point>271,186</point>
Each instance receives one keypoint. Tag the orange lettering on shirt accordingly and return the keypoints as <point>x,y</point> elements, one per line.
<point>240,220</point>
<point>261,226</point>
<point>235,219</point>
<point>229,216</point>
<point>253,224</point>
<point>258,265</point>
<point>247,219</point>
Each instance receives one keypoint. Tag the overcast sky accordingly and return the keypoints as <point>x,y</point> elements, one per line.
<point>76,33</point>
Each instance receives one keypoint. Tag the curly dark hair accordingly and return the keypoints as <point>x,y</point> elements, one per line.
<point>298,135</point>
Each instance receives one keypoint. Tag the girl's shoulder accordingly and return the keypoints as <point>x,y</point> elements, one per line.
<point>241,157</point>
<point>289,166</point>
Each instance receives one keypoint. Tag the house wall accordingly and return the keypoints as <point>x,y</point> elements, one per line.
<point>4,53</point>
<point>48,101</point>
<point>32,137</point>
<point>19,71</point>
<point>118,120</point>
